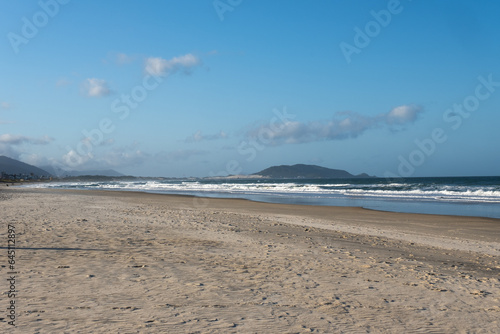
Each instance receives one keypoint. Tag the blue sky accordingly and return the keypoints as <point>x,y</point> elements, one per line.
<point>197,88</point>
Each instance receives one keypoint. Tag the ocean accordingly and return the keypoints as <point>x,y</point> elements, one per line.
<point>464,196</point>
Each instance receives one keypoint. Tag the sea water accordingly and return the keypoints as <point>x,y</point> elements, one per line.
<point>465,196</point>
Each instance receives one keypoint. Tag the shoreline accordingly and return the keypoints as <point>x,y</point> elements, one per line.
<point>151,263</point>
<point>297,203</point>
<point>481,233</point>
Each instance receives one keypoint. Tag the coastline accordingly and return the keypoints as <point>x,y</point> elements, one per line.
<point>148,262</point>
<point>460,196</point>
<point>485,228</point>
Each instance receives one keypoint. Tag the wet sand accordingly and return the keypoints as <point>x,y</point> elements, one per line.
<point>99,261</point>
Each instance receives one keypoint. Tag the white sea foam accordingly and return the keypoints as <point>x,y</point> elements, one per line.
<point>393,191</point>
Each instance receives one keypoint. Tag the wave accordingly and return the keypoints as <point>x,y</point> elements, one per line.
<point>394,191</point>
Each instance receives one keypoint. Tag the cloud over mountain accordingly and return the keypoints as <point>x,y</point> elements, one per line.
<point>12,145</point>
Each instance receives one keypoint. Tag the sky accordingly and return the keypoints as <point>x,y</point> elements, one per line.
<point>212,88</point>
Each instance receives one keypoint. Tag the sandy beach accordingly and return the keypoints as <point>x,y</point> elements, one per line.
<point>124,262</point>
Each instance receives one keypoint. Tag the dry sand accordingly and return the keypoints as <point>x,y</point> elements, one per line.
<point>121,262</point>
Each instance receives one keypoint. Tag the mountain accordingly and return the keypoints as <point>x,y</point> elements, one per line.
<point>54,170</point>
<point>307,172</point>
<point>12,166</point>
<point>59,172</point>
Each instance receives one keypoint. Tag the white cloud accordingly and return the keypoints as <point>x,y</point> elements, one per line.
<point>403,114</point>
<point>10,139</point>
<point>161,67</point>
<point>199,136</point>
<point>73,159</point>
<point>36,159</point>
<point>9,151</point>
<point>343,125</point>
<point>94,87</point>
<point>12,145</point>
<point>115,158</point>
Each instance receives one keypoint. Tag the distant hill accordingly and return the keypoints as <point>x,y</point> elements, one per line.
<point>307,172</point>
<point>12,166</point>
<point>56,171</point>
<point>59,172</point>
